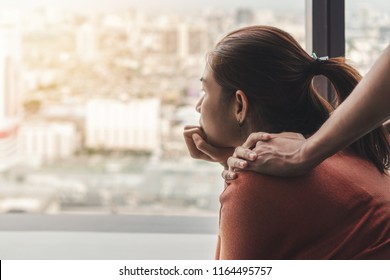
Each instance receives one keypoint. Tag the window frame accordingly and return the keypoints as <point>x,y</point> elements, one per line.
<point>325,34</point>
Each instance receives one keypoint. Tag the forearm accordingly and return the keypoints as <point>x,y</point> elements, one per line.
<point>366,108</point>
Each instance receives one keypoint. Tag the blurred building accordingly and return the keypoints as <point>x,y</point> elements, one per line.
<point>11,86</point>
<point>367,37</point>
<point>8,143</point>
<point>184,40</point>
<point>86,42</point>
<point>40,142</point>
<point>10,40</point>
<point>11,93</point>
<point>244,16</point>
<point>116,125</point>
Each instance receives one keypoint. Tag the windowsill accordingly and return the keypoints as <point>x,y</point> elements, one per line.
<point>27,236</point>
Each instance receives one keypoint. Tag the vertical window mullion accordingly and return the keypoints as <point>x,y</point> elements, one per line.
<point>325,20</point>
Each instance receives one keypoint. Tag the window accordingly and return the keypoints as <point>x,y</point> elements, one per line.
<point>93,100</point>
<point>96,100</point>
<point>367,31</point>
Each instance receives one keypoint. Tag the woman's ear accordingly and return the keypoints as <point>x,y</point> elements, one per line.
<point>241,106</point>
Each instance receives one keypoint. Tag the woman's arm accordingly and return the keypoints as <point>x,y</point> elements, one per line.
<point>251,215</point>
<point>289,154</point>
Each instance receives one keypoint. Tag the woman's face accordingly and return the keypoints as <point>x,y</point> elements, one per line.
<point>217,116</point>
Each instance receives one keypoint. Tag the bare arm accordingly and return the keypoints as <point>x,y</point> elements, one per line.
<point>289,154</point>
<point>366,108</point>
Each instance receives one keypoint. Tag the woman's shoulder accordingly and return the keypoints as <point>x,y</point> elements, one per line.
<point>342,178</point>
<point>251,188</point>
<point>252,182</point>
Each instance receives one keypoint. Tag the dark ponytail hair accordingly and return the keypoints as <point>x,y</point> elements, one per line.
<point>276,74</point>
<point>374,146</point>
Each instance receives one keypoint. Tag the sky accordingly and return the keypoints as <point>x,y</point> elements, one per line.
<point>167,5</point>
<point>157,4</point>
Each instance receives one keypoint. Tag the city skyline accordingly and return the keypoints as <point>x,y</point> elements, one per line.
<point>142,71</point>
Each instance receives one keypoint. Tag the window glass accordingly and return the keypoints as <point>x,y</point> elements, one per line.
<point>94,96</point>
<point>367,31</point>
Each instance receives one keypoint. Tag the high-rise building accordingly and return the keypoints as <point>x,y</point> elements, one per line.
<point>86,42</point>
<point>11,91</point>
<point>40,142</point>
<point>116,125</point>
<point>8,143</point>
<point>170,40</point>
<point>244,16</point>
<point>197,40</point>
<point>184,40</point>
<point>11,87</point>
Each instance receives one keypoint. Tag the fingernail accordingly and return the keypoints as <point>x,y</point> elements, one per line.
<point>232,175</point>
<point>252,155</point>
<point>242,164</point>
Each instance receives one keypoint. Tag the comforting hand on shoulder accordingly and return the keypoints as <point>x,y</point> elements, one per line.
<point>273,154</point>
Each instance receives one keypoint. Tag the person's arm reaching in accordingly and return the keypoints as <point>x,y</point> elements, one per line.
<point>289,154</point>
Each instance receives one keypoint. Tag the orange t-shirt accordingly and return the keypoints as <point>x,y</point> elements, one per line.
<point>340,210</point>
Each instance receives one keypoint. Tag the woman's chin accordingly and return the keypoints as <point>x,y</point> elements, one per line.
<point>219,143</point>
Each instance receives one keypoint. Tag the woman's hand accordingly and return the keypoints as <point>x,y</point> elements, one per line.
<point>198,147</point>
<point>273,154</point>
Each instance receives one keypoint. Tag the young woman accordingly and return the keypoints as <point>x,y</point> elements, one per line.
<point>259,79</point>
<point>366,108</point>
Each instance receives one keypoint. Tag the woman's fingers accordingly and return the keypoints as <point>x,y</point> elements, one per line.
<point>245,153</point>
<point>255,137</point>
<point>263,136</point>
<point>189,132</point>
<point>203,146</point>
<point>199,148</point>
<point>192,129</point>
<point>234,162</point>
<point>274,154</point>
<point>228,175</point>
<point>262,152</point>
<point>218,154</point>
<point>289,135</point>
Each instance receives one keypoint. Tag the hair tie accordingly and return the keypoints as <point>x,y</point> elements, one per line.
<point>322,58</point>
<point>315,68</point>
